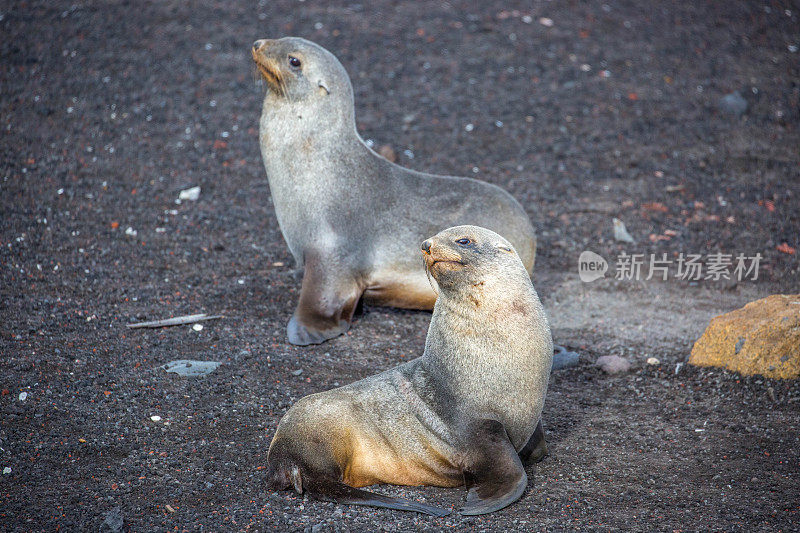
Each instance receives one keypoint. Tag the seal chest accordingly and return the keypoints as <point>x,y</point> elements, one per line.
<point>466,412</point>
<point>351,218</point>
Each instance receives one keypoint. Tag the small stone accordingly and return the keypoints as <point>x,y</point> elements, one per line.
<point>613,364</point>
<point>191,369</point>
<point>297,372</point>
<point>191,194</point>
<point>197,327</point>
<point>155,418</point>
<point>23,396</point>
<point>621,232</point>
<point>547,22</point>
<point>114,521</point>
<point>733,104</point>
<point>653,361</point>
<point>6,470</point>
<point>387,152</point>
<point>563,358</point>
<point>131,232</point>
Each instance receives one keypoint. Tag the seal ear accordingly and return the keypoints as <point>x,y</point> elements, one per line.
<point>323,87</point>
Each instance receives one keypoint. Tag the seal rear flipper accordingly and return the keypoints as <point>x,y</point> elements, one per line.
<point>493,473</point>
<point>338,492</point>
<point>536,448</point>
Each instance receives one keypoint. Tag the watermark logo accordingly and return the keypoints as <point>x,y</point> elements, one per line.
<point>591,266</point>
<point>687,267</point>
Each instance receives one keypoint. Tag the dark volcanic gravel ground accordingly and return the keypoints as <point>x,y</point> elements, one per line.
<point>109,109</point>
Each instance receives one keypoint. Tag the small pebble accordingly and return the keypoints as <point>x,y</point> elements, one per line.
<point>620,231</point>
<point>613,364</point>
<point>6,470</point>
<point>653,361</point>
<point>297,372</point>
<point>191,194</point>
<point>198,327</point>
<point>23,396</point>
<point>387,152</point>
<point>155,418</point>
<point>733,104</point>
<point>544,21</point>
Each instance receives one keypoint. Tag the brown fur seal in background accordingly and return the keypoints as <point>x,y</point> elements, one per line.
<point>466,412</point>
<point>350,217</point>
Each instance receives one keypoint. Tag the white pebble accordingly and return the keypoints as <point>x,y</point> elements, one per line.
<point>544,21</point>
<point>7,470</point>
<point>653,361</point>
<point>155,418</point>
<point>198,327</point>
<point>130,231</point>
<point>192,193</point>
<point>469,127</point>
<point>23,396</point>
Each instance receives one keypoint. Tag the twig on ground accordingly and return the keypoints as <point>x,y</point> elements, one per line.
<point>174,321</point>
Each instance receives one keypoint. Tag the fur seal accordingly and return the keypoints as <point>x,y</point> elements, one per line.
<point>468,411</point>
<point>352,219</point>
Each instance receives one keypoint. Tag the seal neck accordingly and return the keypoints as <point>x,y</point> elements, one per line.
<point>308,135</point>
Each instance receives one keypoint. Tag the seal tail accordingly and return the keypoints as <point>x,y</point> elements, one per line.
<point>338,492</point>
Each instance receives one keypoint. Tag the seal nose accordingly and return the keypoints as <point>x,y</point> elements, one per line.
<point>258,44</point>
<point>426,246</point>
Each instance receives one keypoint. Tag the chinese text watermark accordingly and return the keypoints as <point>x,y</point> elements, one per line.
<point>687,267</point>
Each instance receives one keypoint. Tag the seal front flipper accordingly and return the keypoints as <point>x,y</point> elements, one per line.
<point>493,471</point>
<point>328,298</point>
<point>536,448</point>
<point>338,492</point>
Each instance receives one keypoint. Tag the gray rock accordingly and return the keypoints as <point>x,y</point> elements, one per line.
<point>613,364</point>
<point>191,369</point>
<point>114,521</point>
<point>733,104</point>
<point>563,358</point>
<point>620,231</point>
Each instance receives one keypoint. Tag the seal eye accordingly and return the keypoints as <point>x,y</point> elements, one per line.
<point>464,241</point>
<point>293,61</point>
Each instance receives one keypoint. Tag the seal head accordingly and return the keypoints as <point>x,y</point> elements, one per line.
<point>296,69</point>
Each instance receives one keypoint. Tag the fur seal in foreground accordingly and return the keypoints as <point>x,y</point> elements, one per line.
<point>466,412</point>
<point>351,218</point>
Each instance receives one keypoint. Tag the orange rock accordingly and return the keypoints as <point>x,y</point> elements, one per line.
<point>763,337</point>
<point>387,152</point>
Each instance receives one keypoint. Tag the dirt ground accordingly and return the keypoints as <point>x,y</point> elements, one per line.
<point>583,111</point>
